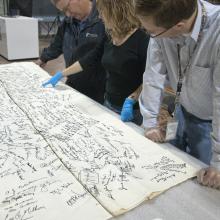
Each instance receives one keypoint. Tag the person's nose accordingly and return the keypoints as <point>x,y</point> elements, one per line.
<point>67,14</point>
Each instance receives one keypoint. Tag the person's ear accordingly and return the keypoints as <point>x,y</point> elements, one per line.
<point>179,26</point>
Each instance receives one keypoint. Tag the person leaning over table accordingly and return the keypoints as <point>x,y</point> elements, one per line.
<point>80,31</point>
<point>185,48</point>
<point>123,55</point>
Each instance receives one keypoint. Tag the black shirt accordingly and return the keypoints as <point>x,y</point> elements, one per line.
<point>124,65</point>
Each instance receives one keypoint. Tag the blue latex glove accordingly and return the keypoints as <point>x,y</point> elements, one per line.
<point>54,79</point>
<point>127,112</point>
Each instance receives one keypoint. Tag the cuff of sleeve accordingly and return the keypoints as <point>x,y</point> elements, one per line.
<point>42,58</point>
<point>148,120</point>
<point>149,123</point>
<point>215,162</point>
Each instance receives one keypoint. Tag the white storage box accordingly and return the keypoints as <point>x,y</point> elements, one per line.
<point>19,37</point>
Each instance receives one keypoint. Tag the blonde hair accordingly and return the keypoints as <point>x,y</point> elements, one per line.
<point>120,14</point>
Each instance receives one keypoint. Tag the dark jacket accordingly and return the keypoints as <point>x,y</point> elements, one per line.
<point>74,39</point>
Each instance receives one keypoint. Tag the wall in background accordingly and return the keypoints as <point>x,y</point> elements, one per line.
<point>44,8</point>
<point>1,7</point>
<point>47,15</point>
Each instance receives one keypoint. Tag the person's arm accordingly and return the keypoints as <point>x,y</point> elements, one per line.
<point>73,69</point>
<point>55,49</point>
<point>153,85</point>
<point>135,95</point>
<point>211,176</point>
<point>127,112</point>
<point>90,60</point>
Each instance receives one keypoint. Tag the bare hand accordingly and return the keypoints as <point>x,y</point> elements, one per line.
<point>40,63</point>
<point>155,134</point>
<point>209,177</point>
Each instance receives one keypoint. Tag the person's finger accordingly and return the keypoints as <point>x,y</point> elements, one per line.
<point>200,175</point>
<point>156,136</point>
<point>161,135</point>
<point>124,116</point>
<point>150,135</point>
<point>211,181</point>
<point>217,182</point>
<point>208,177</point>
<point>153,134</point>
<point>46,83</point>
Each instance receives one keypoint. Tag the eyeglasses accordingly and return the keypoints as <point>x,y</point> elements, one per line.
<point>163,32</point>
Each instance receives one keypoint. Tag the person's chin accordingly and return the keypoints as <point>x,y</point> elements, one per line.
<point>78,17</point>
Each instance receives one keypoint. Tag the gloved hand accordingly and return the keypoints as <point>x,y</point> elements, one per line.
<point>54,79</point>
<point>127,112</point>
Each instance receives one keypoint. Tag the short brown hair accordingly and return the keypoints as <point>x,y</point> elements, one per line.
<point>121,14</point>
<point>166,13</point>
<point>217,2</point>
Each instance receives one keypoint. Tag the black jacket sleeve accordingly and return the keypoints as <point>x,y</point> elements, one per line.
<point>94,56</point>
<point>56,47</point>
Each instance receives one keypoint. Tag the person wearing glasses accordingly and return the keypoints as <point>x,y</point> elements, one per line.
<point>123,55</point>
<point>80,31</point>
<point>185,49</point>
